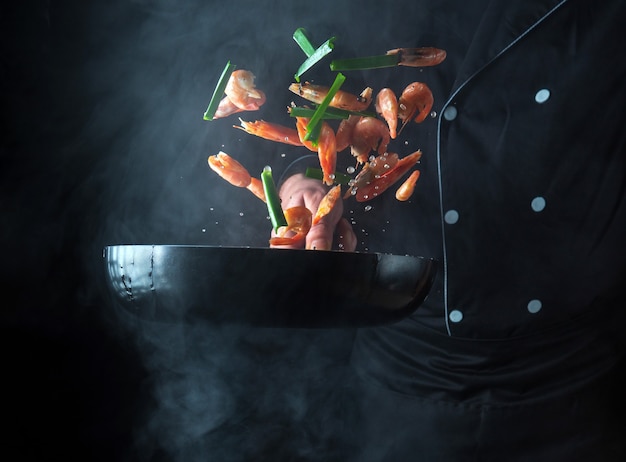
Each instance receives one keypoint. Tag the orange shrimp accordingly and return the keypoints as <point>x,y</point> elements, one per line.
<point>235,173</point>
<point>387,106</point>
<point>226,108</point>
<point>372,170</point>
<point>326,147</point>
<point>369,134</point>
<point>405,191</point>
<point>343,136</point>
<point>415,103</point>
<point>241,95</point>
<point>341,100</point>
<point>271,131</point>
<point>256,188</point>
<point>242,92</point>
<point>298,221</point>
<point>380,183</point>
<point>418,57</point>
<point>327,203</point>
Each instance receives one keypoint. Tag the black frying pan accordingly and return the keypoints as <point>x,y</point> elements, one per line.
<point>267,287</point>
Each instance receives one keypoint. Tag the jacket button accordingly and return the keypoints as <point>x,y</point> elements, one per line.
<point>451,217</point>
<point>538,204</point>
<point>450,113</point>
<point>456,316</point>
<point>534,306</point>
<point>542,95</point>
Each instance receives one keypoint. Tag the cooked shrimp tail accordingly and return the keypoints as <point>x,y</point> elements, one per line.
<point>406,189</point>
<point>327,203</point>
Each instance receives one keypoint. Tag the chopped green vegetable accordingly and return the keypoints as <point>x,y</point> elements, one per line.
<point>219,91</point>
<point>303,41</point>
<point>315,120</point>
<point>324,49</point>
<point>277,217</point>
<point>308,113</point>
<point>367,62</point>
<point>317,174</point>
<point>329,113</point>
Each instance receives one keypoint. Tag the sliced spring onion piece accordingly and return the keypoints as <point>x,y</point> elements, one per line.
<point>324,49</point>
<point>315,119</point>
<point>317,174</point>
<point>219,91</point>
<point>366,62</point>
<point>308,112</point>
<point>275,210</point>
<point>303,41</point>
<point>329,113</point>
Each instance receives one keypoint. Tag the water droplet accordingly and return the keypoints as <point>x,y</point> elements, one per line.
<point>340,245</point>
<point>406,143</point>
<point>365,197</point>
<point>386,166</point>
<point>204,230</point>
<point>267,168</point>
<point>217,222</point>
<point>331,176</point>
<point>367,208</point>
<point>241,214</point>
<point>211,209</point>
<point>283,155</point>
<point>350,169</point>
<point>433,114</point>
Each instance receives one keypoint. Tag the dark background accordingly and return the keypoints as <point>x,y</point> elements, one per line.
<point>103,142</point>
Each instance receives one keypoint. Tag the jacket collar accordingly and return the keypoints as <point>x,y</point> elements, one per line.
<point>503,24</point>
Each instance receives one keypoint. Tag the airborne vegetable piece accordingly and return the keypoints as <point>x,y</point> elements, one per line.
<point>275,210</point>
<point>303,41</point>
<point>324,49</point>
<point>317,115</point>
<point>313,55</point>
<point>219,91</point>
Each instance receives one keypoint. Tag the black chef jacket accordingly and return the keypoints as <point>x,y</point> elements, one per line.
<point>522,200</point>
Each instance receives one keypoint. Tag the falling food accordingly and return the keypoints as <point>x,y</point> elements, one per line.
<point>406,189</point>
<point>337,120</point>
<point>235,173</point>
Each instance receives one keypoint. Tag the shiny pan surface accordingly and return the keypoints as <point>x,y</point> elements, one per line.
<point>266,287</point>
